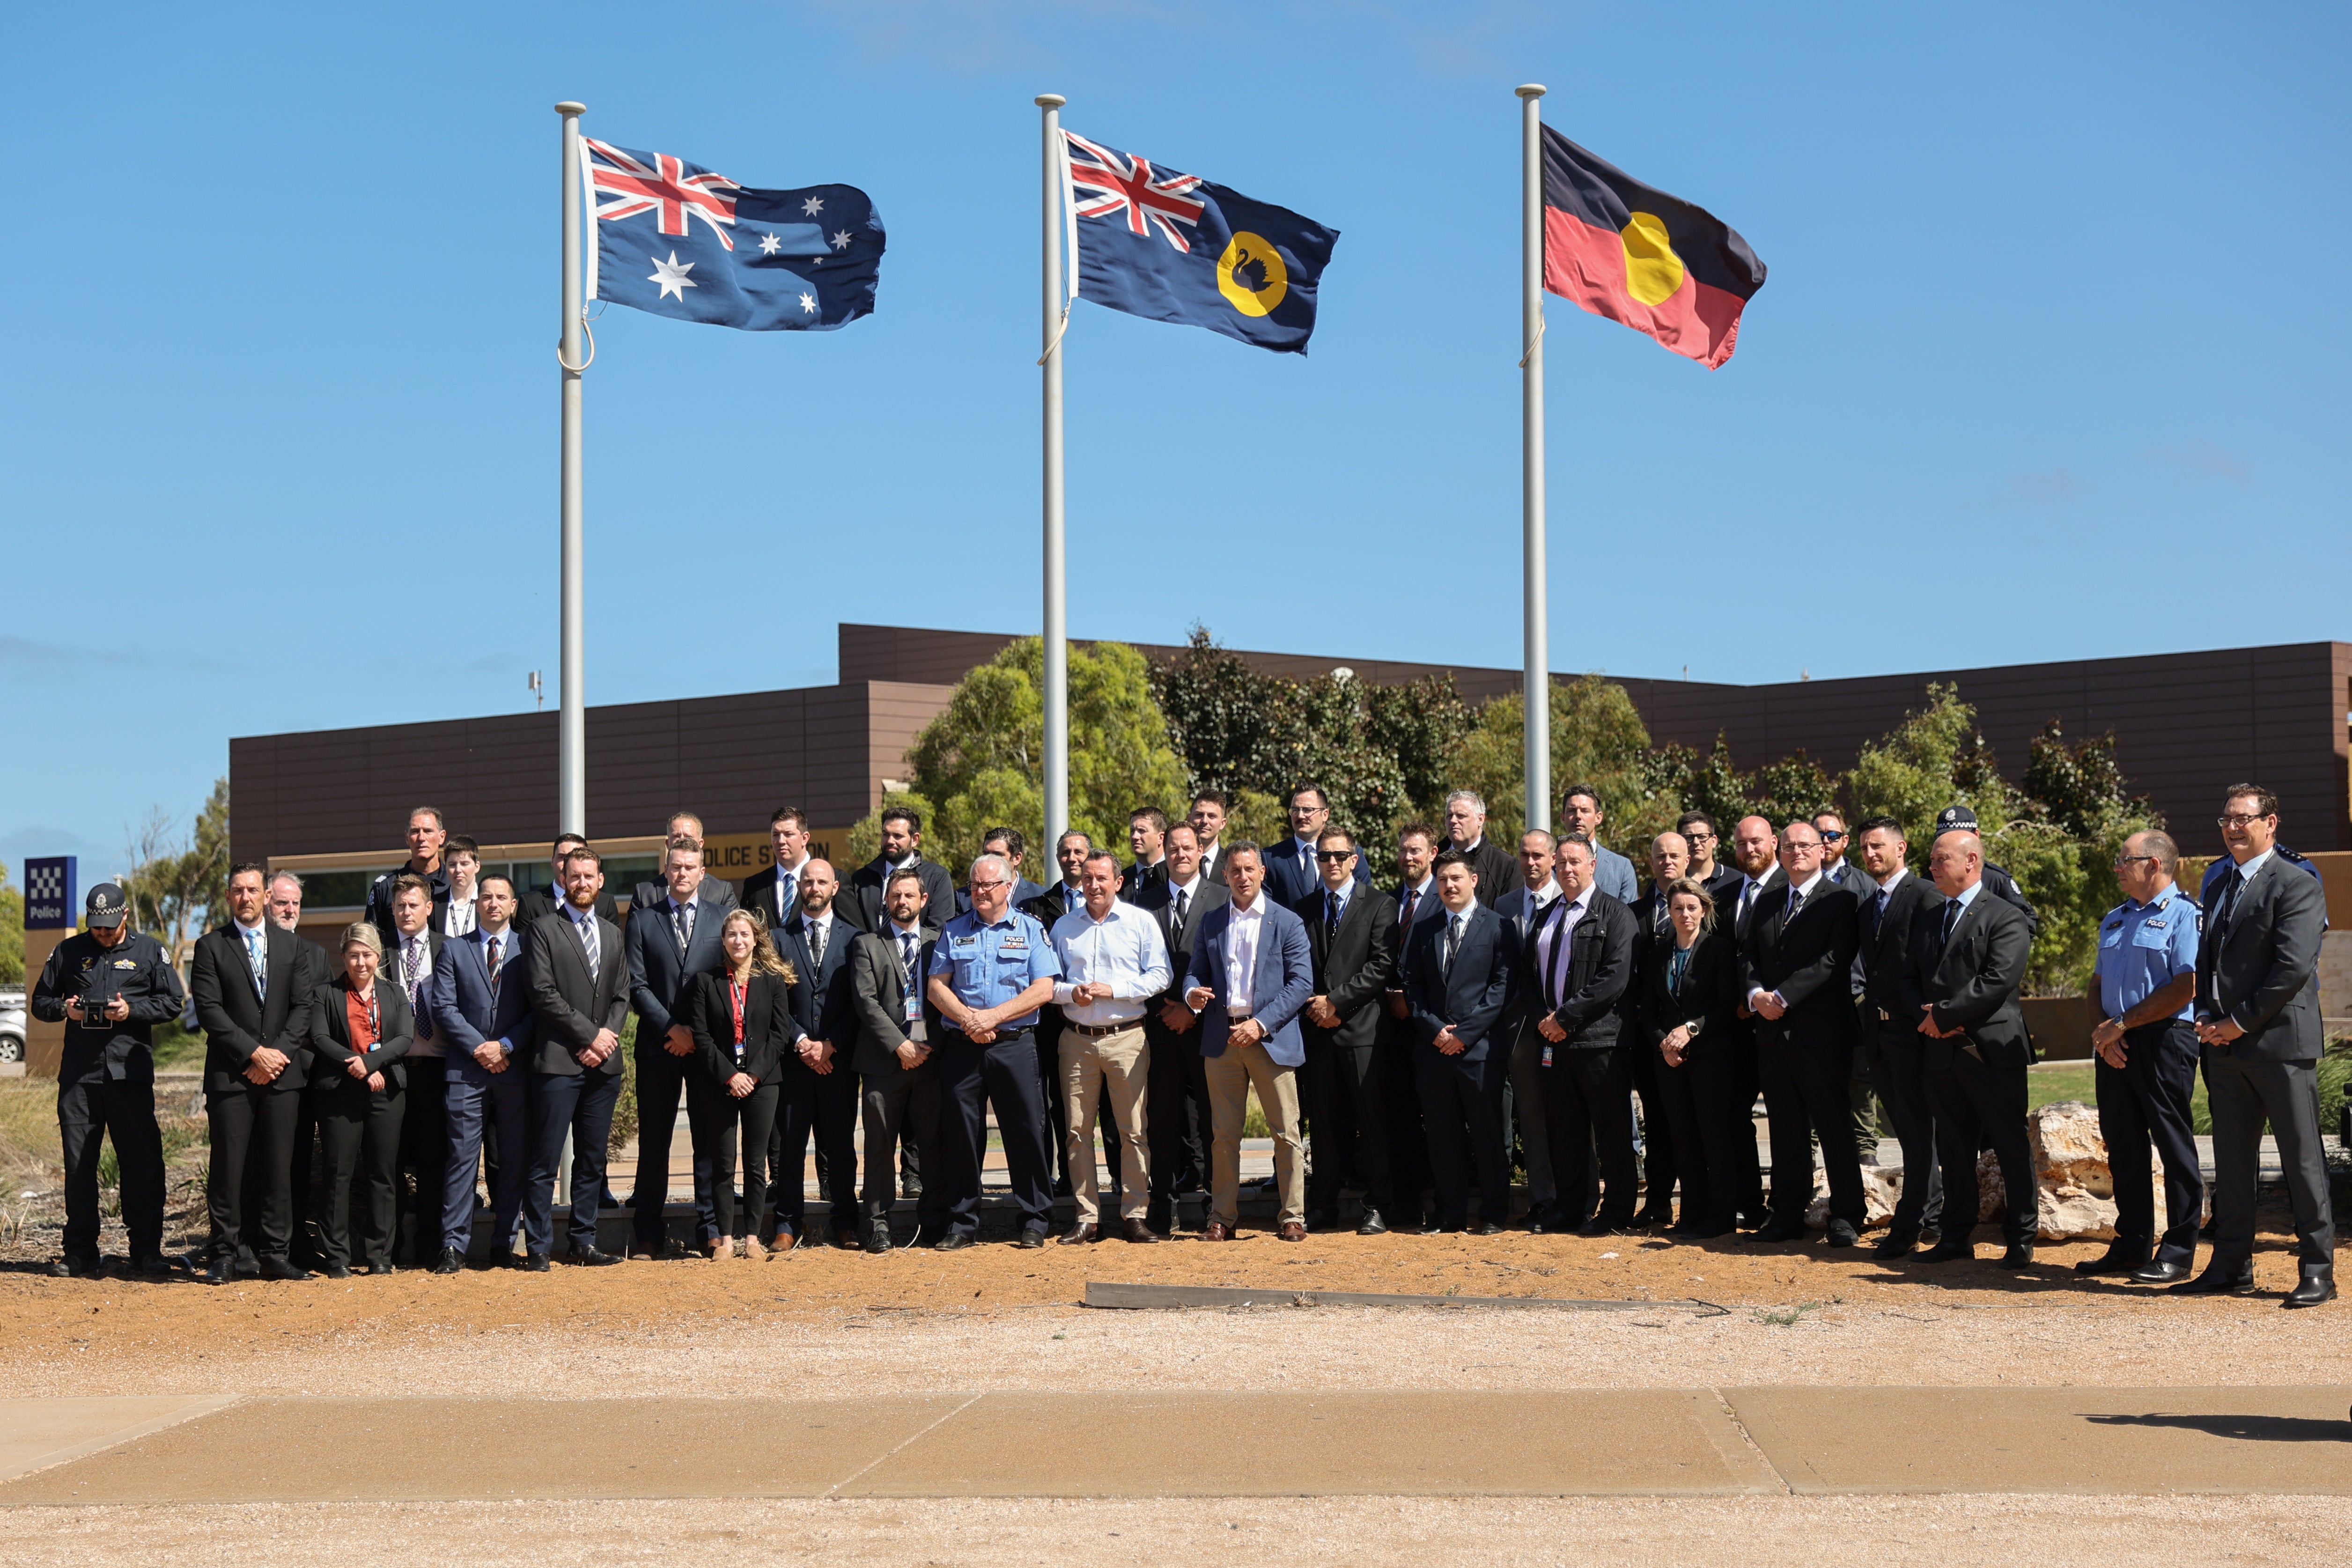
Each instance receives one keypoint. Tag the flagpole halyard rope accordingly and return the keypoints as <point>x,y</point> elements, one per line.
<point>1530,354</point>
<point>591,359</point>
<point>1059,331</point>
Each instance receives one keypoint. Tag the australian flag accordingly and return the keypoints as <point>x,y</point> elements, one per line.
<point>679,240</point>
<point>1175,247</point>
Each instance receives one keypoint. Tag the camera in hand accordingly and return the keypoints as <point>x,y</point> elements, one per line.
<point>94,1003</point>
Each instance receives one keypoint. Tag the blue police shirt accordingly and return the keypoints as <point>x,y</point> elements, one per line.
<point>2143,947</point>
<point>988,962</point>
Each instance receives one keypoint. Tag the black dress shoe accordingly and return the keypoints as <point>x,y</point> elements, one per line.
<point>1653,1218</point>
<point>280,1268</point>
<point>1322,1219</point>
<point>1949,1252</point>
<point>2018,1255</point>
<point>2158,1272</point>
<point>1372,1224</point>
<point>2218,1280</point>
<point>1774,1232</point>
<point>1841,1234</point>
<point>334,1271</point>
<point>75,1269</point>
<point>1077,1235</point>
<point>1701,1230</point>
<point>1897,1243</point>
<point>953,1241</point>
<point>451,1261</point>
<point>2317,1285</point>
<point>219,1272</point>
<point>1485,1227</point>
<point>590,1258</point>
<point>534,1263</point>
<point>877,1238</point>
<point>151,1266</point>
<point>2114,1261</point>
<point>1032,1237</point>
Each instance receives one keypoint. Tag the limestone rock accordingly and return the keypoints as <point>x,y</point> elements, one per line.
<point>1881,1186</point>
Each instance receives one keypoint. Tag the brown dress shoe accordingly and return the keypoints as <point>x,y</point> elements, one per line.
<point>1215,1232</point>
<point>1293,1231</point>
<point>1077,1235</point>
<point>1136,1230</point>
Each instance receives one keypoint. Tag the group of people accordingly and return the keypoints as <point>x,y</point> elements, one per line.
<point>1402,1040</point>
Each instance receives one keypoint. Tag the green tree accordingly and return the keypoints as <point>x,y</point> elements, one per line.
<point>12,932</point>
<point>1795,786</point>
<point>177,886</point>
<point>981,763</point>
<point>1596,739</point>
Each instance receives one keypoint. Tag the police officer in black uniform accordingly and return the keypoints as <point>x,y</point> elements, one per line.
<point>110,986</point>
<point>1997,881</point>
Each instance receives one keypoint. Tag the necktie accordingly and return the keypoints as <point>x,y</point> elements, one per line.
<point>1404,908</point>
<point>1176,926</point>
<point>1884,895</point>
<point>1560,940</point>
<point>1746,897</point>
<point>681,919</point>
<point>1330,916</point>
<point>495,943</point>
<point>257,952</point>
<point>1796,901</point>
<point>906,958</point>
<point>1452,941</point>
<point>588,938</point>
<point>816,943</point>
<point>1658,922</point>
<point>411,962</point>
<point>1951,918</point>
<point>2228,904</point>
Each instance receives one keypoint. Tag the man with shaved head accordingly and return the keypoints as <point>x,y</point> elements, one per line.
<point>1967,966</point>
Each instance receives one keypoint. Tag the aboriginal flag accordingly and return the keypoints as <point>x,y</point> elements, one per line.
<point>1637,255</point>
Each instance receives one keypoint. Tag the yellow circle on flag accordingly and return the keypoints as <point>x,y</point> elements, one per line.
<point>1243,250</point>
<point>1653,270</point>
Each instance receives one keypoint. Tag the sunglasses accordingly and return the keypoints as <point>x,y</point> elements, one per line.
<point>1333,857</point>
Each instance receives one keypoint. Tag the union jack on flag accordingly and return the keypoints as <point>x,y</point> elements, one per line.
<point>661,185</point>
<point>1128,186</point>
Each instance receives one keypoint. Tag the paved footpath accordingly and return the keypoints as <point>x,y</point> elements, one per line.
<point>1659,1443</point>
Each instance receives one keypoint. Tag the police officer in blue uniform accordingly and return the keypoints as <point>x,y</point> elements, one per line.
<point>110,986</point>
<point>991,970</point>
<point>2146,1042</point>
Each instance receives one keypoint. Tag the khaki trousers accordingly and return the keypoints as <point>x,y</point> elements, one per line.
<point>1231,1074</point>
<point>1119,1065</point>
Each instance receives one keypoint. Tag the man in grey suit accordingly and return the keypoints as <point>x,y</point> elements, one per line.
<point>1522,910</point>
<point>580,993</point>
<point>1612,873</point>
<point>672,941</point>
<point>2258,1020</point>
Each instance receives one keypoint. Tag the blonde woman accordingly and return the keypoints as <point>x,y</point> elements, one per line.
<point>1686,1002</point>
<point>743,1030</point>
<point>361,1029</point>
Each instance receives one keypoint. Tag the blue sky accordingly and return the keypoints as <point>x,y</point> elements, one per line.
<point>2050,337</point>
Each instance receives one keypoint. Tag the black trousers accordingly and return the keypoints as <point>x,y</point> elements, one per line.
<point>306,1248</point>
<point>1746,1083</point>
<point>822,1106</point>
<point>902,1106</point>
<point>2242,1094</point>
<point>1409,1163</point>
<point>1661,1162</point>
<point>1462,1114</point>
<point>1176,1091</point>
<point>2144,1106</point>
<point>1976,1100</point>
<point>361,1139</point>
<point>125,1111</point>
<point>1588,1099</point>
<point>1350,1147</point>
<point>578,1106</point>
<point>1003,1075</point>
<point>1804,1084</point>
<point>724,1125</point>
<point>252,1139</point>
<point>663,1081</point>
<point>1701,1099</point>
<point>1899,1069</point>
<point>424,1156</point>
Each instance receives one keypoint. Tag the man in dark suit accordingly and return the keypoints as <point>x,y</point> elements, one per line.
<point>2258,1020</point>
<point>688,826</point>
<point>1465,835</point>
<point>1522,910</point>
<point>252,988</point>
<point>672,941</point>
<point>1351,948</point>
<point>580,997</point>
<point>1967,965</point>
<point>1249,978</point>
<point>1889,1027</point>
<point>1794,964</point>
<point>307,1250</point>
<point>533,904</point>
<point>820,1098</point>
<point>410,957</point>
<point>1177,1093</point>
<point>860,903</point>
<point>1669,858</point>
<point>481,1011</point>
<point>1416,904</point>
<point>427,837</point>
<point>1458,981</point>
<point>1292,874</point>
<point>1699,831</point>
<point>1575,968</point>
<point>1755,881</point>
<point>1147,840</point>
<point>1210,808</point>
<point>771,891</point>
<point>1862,1098</point>
<point>898,1076</point>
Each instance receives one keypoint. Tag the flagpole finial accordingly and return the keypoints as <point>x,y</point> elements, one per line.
<point>1532,90</point>
<point>568,107</point>
<point>1051,100</point>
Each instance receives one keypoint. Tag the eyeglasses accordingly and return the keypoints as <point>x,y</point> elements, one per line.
<point>1832,835</point>
<point>2124,863</point>
<point>1333,857</point>
<point>1700,838</point>
<point>989,886</point>
<point>2240,819</point>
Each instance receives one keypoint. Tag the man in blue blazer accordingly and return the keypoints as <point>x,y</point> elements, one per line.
<point>1457,983</point>
<point>672,941</point>
<point>1291,875</point>
<point>1251,973</point>
<point>481,1008</point>
<point>1612,873</point>
<point>820,1088</point>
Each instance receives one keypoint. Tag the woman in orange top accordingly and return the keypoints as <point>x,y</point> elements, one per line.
<point>361,1027</point>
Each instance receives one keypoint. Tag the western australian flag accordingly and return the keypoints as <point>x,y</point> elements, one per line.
<point>679,240</point>
<point>1175,247</point>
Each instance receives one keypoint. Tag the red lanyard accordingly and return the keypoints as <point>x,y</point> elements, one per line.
<point>735,990</point>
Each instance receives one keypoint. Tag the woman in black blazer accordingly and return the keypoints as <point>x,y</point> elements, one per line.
<point>360,1028</point>
<point>742,1030</point>
<point>1687,1000</point>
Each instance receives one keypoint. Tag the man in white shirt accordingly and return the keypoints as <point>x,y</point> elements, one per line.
<point>463,858</point>
<point>1113,963</point>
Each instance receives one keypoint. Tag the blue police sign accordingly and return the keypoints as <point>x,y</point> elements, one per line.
<point>50,897</point>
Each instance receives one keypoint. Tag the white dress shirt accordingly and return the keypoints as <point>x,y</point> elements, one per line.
<point>1240,958</point>
<point>458,919</point>
<point>1122,950</point>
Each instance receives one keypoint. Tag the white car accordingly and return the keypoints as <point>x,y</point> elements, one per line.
<point>12,1023</point>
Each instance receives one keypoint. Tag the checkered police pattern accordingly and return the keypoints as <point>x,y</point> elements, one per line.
<point>49,894</point>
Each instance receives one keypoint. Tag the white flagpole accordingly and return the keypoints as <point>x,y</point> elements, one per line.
<point>1531,460</point>
<point>1056,627</point>
<point>571,720</point>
